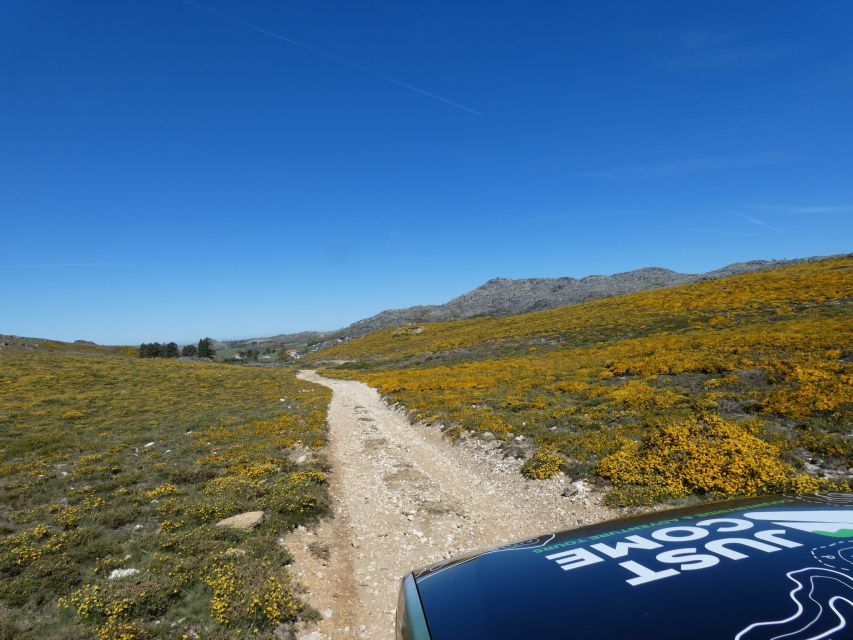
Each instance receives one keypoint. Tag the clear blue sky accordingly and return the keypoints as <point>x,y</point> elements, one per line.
<point>174,169</point>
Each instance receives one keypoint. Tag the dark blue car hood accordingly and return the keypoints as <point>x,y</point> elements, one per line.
<point>751,569</point>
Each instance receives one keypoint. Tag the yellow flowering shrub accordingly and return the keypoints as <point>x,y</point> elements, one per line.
<point>699,456</point>
<point>165,489</point>
<point>240,594</point>
<point>639,396</point>
<point>543,464</point>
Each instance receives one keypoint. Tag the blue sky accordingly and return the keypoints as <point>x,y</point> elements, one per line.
<point>175,169</point>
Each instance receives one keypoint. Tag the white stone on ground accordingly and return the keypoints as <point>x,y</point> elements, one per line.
<point>248,520</point>
<point>116,574</point>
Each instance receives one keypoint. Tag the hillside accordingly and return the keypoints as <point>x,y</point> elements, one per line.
<point>507,296</point>
<point>747,378</point>
<point>18,343</point>
<point>113,472</point>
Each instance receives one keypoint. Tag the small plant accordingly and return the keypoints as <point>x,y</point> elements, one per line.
<point>634,495</point>
<point>543,464</point>
<point>453,433</point>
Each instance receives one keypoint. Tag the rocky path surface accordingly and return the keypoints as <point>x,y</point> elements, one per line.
<point>404,497</point>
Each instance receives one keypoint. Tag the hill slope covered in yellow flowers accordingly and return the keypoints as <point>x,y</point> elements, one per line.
<point>735,386</point>
<point>113,471</point>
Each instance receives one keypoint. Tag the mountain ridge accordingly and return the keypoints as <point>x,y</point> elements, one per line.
<point>509,296</point>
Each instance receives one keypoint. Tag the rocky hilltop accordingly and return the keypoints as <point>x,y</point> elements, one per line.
<point>507,296</point>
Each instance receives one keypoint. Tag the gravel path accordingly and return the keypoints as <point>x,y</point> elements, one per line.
<point>404,497</point>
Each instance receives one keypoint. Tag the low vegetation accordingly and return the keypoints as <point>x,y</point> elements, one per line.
<point>113,472</point>
<point>736,386</point>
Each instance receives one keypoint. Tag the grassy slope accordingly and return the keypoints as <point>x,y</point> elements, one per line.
<point>721,387</point>
<point>83,493</point>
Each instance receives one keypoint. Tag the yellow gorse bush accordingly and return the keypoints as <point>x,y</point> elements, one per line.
<point>238,594</point>
<point>165,489</point>
<point>542,465</point>
<point>708,456</point>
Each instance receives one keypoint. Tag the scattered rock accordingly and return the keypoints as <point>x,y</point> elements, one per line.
<point>116,574</point>
<point>581,486</point>
<point>247,520</point>
<point>234,552</point>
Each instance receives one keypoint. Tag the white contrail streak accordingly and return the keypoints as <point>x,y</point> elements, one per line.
<point>757,221</point>
<point>330,56</point>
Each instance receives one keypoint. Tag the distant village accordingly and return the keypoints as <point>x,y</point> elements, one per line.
<point>252,355</point>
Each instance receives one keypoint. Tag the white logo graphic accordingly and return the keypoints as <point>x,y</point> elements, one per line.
<point>823,596</point>
<point>830,522</point>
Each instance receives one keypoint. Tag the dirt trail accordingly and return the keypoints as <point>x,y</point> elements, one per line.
<point>404,497</point>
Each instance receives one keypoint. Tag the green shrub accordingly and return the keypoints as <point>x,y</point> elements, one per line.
<point>634,495</point>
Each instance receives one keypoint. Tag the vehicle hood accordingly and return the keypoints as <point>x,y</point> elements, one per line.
<point>749,569</point>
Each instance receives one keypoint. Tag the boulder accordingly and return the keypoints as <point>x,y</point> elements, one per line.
<point>247,520</point>
<point>117,574</point>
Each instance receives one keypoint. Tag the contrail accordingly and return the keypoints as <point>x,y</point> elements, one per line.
<point>729,233</point>
<point>328,55</point>
<point>757,221</point>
